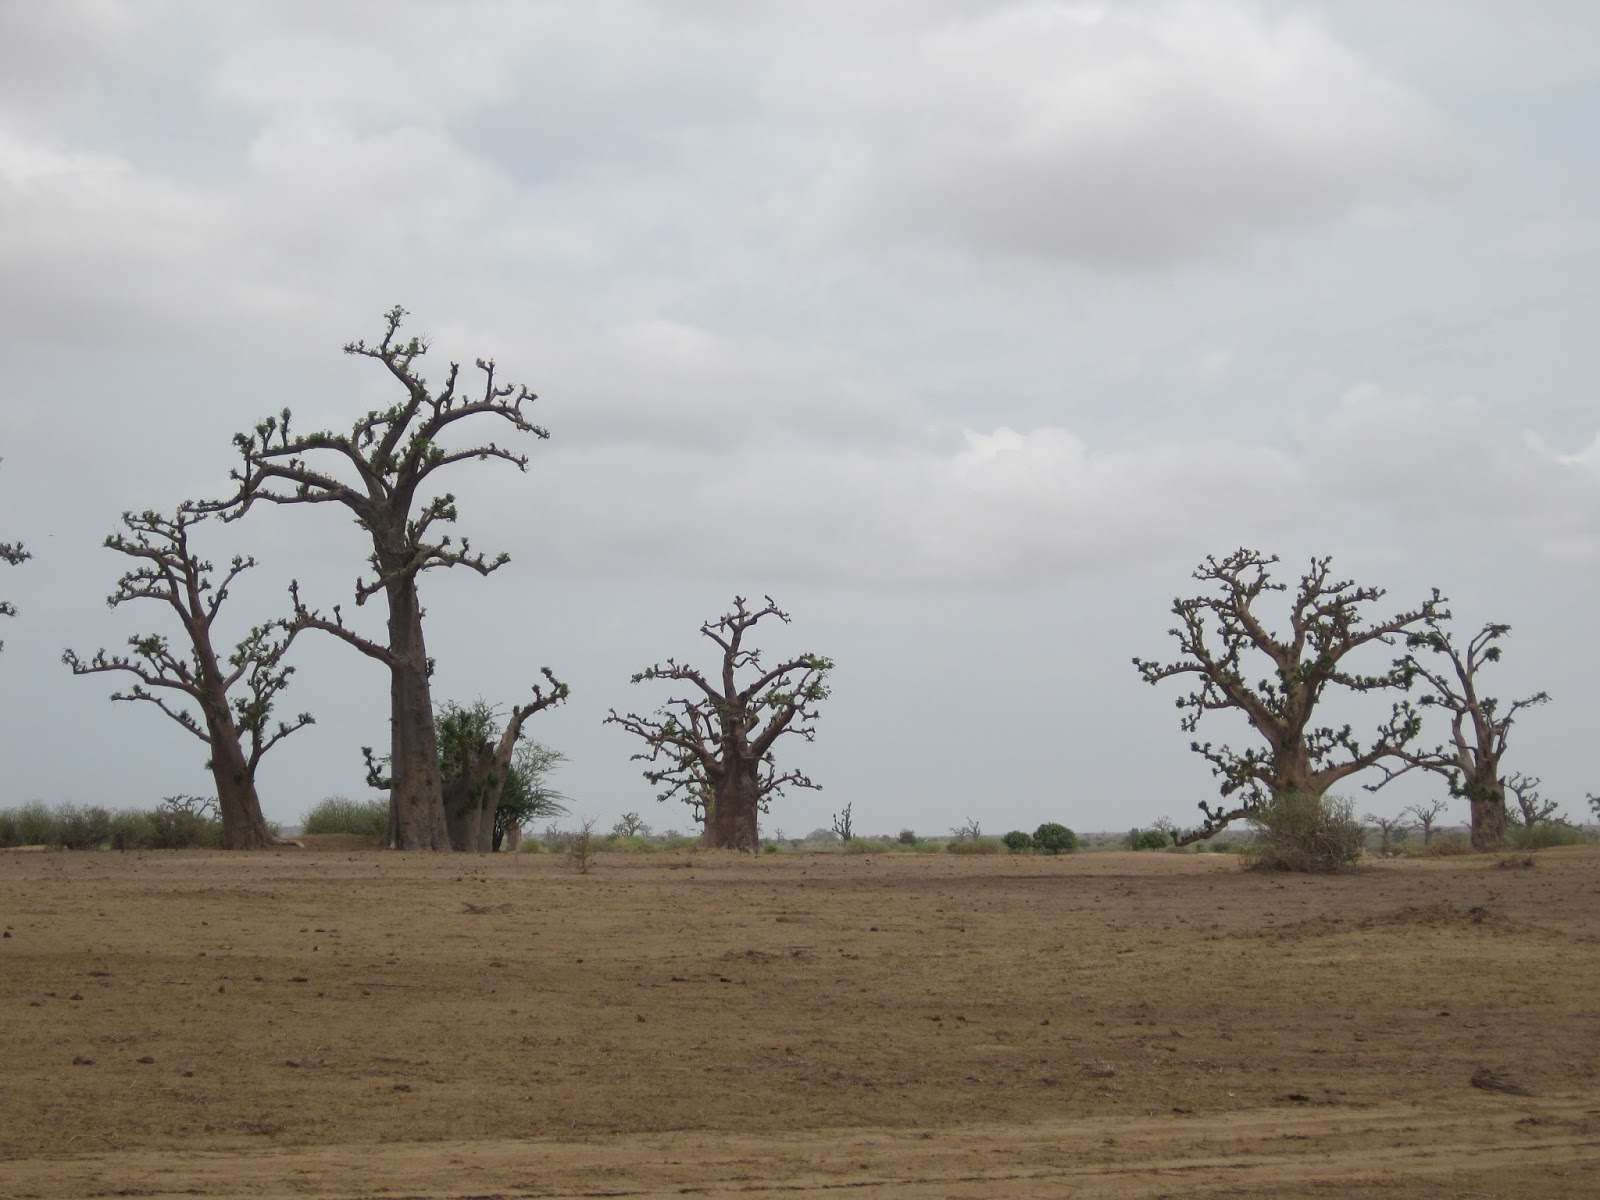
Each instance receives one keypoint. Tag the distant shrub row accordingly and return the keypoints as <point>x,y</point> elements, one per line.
<point>90,827</point>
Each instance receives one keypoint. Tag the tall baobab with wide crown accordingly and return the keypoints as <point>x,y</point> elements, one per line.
<point>384,471</point>
<point>1217,633</point>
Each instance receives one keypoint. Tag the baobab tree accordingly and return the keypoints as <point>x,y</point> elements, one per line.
<point>1427,814</point>
<point>235,696</point>
<point>1470,761</point>
<point>1532,808</point>
<point>383,471</point>
<point>1391,830</point>
<point>14,554</point>
<point>714,747</point>
<point>1217,632</point>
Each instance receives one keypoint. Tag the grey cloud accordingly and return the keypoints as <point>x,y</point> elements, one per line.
<point>1127,136</point>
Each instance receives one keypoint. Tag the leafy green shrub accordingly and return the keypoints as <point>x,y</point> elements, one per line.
<point>770,848</point>
<point>1301,831</point>
<point>36,825</point>
<point>171,829</point>
<point>908,837</point>
<point>978,845</point>
<point>340,814</point>
<point>130,831</point>
<point>1445,847</point>
<point>82,828</point>
<point>1543,834</point>
<point>634,844</point>
<point>1151,839</point>
<point>1017,842</point>
<point>1052,838</point>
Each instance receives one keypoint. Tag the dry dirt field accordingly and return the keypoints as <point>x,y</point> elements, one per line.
<point>326,1022</point>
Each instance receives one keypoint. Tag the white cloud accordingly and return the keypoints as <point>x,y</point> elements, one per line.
<point>1119,136</point>
<point>972,508</point>
<point>1428,464</point>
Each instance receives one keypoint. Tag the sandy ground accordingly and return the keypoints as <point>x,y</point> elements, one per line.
<point>335,1023</point>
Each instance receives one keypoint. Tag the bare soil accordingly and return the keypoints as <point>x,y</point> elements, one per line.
<point>335,1022</point>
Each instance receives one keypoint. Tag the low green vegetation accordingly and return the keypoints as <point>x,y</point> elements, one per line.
<point>1542,835</point>
<point>170,826</point>
<point>1302,831</point>
<point>1051,838</point>
<point>340,814</point>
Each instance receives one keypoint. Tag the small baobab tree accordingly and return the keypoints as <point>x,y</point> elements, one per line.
<point>714,747</point>
<point>1391,830</point>
<point>1479,728</point>
<point>13,554</point>
<point>1532,808</point>
<point>383,471</point>
<point>1217,632</point>
<point>1427,814</point>
<point>234,695</point>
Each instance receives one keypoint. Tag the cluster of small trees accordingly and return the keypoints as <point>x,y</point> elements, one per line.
<point>1222,636</point>
<point>452,775</point>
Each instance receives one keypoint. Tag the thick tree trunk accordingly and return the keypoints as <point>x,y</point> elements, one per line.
<point>417,798</point>
<point>732,823</point>
<point>463,817</point>
<point>243,825</point>
<point>1488,804</point>
<point>471,802</point>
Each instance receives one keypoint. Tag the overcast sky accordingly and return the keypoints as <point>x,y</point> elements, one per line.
<point>964,328</point>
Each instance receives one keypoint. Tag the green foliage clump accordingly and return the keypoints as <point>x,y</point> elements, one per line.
<point>82,828</point>
<point>977,845</point>
<point>908,837</point>
<point>1301,831</point>
<point>526,795</point>
<point>1017,842</point>
<point>1149,839</point>
<point>36,825</point>
<point>1541,835</point>
<point>176,829</point>
<point>1051,838</point>
<point>91,827</point>
<point>131,831</point>
<point>340,814</point>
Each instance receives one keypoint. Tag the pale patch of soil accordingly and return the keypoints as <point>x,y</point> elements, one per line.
<point>340,1023</point>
